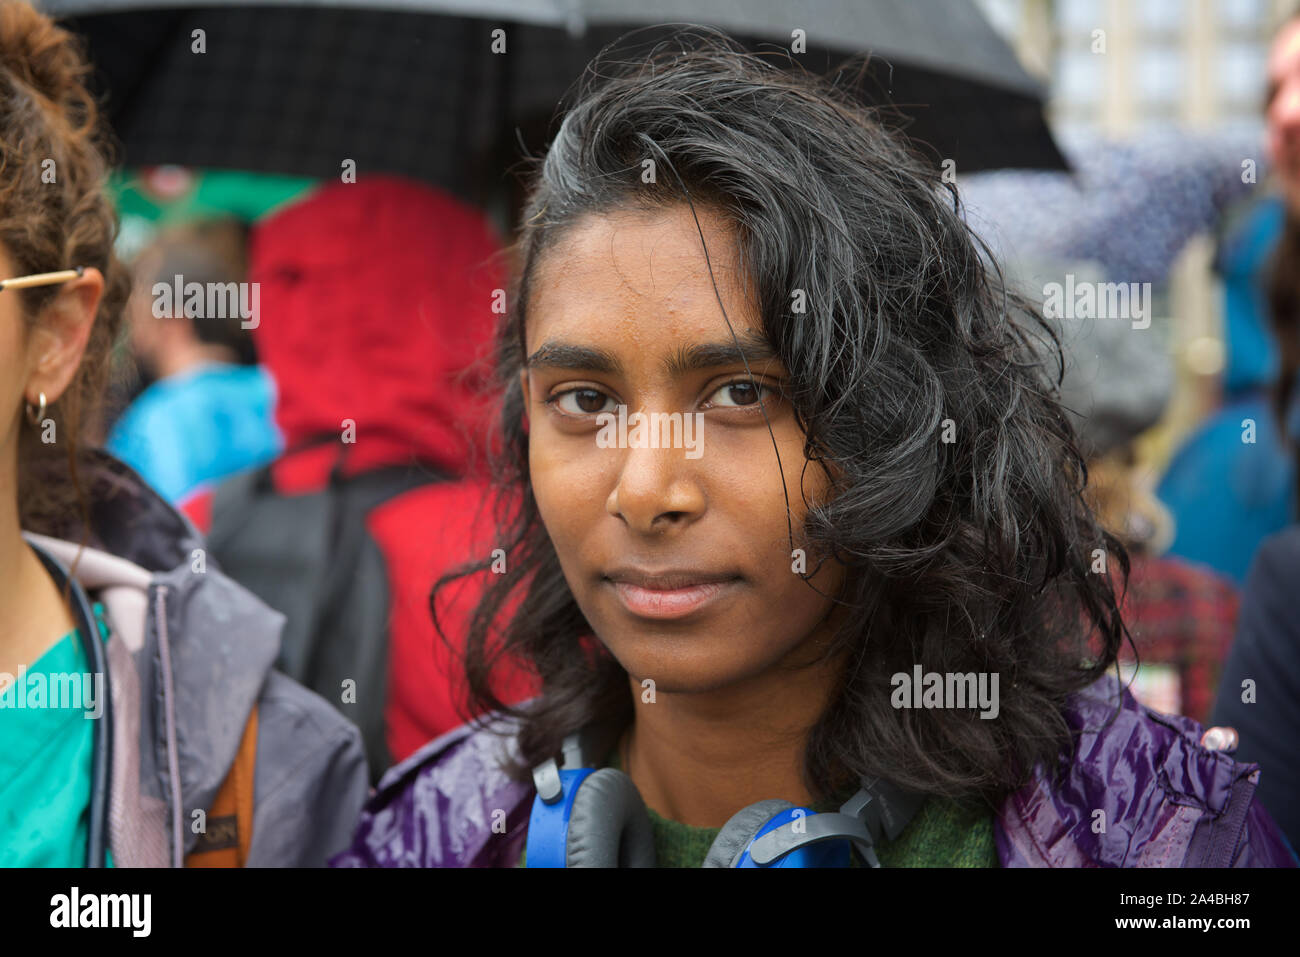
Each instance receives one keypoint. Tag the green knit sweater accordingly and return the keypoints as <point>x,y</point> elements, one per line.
<point>942,834</point>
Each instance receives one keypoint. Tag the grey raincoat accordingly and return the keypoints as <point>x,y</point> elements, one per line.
<point>190,653</point>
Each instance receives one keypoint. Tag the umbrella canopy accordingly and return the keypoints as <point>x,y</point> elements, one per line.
<point>417,87</point>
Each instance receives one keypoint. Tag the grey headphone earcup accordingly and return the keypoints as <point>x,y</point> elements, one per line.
<point>608,826</point>
<point>740,830</point>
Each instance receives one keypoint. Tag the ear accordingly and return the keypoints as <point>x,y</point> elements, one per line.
<point>59,339</point>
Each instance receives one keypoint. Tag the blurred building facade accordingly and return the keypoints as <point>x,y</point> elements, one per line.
<point>1119,68</point>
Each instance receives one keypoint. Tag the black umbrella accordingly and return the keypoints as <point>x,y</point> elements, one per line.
<point>422,88</point>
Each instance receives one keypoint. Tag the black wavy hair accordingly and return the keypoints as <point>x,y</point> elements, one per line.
<point>970,555</point>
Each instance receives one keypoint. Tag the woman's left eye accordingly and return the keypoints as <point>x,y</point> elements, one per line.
<point>740,394</point>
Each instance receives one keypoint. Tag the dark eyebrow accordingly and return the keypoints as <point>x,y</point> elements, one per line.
<point>564,355</point>
<point>749,347</point>
<point>753,349</point>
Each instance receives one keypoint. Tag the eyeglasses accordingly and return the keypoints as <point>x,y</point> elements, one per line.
<point>42,279</point>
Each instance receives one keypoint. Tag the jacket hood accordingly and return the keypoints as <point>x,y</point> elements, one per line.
<point>377,309</point>
<point>201,645</point>
<point>127,518</point>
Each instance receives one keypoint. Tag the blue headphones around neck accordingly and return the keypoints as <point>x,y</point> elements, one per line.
<point>588,817</point>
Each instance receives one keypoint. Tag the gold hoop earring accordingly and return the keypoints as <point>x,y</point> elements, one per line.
<point>35,417</point>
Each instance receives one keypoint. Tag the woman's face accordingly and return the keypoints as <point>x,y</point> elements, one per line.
<point>678,555</point>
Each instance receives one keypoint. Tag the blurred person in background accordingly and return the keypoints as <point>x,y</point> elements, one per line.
<point>379,301</point>
<point>1232,483</point>
<point>207,409</point>
<point>1181,614</point>
<point>1260,692</point>
<point>1129,210</point>
<point>138,698</point>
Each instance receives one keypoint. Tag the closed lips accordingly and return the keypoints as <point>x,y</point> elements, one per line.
<point>668,581</point>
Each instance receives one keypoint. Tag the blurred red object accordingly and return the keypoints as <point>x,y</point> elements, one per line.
<point>376,320</point>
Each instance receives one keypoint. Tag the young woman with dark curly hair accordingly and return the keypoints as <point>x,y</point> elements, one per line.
<point>791,528</point>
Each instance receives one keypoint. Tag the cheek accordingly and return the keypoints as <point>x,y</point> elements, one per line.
<point>569,484</point>
<point>750,492</point>
<point>13,381</point>
<point>1276,145</point>
<point>13,349</point>
<point>765,492</point>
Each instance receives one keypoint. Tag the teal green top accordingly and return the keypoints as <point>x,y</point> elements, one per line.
<point>46,746</point>
<point>943,833</point>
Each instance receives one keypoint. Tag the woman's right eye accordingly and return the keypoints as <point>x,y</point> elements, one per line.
<point>581,402</point>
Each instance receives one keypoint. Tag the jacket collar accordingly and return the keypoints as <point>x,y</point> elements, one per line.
<point>127,518</point>
<point>1140,791</point>
<point>202,646</point>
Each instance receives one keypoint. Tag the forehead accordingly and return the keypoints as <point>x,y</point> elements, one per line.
<point>1284,56</point>
<point>642,275</point>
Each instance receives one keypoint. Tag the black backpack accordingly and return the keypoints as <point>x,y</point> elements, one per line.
<point>311,558</point>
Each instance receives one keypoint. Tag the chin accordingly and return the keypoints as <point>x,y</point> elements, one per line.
<point>687,663</point>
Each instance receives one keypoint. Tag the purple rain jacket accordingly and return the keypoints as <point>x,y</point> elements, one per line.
<point>1167,801</point>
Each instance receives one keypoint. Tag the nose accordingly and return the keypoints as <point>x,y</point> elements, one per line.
<point>658,489</point>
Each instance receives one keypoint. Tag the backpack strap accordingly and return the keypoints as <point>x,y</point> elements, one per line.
<point>229,833</point>
<point>331,592</point>
<point>351,500</point>
<point>233,499</point>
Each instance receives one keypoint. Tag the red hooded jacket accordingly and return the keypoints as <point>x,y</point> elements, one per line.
<point>377,315</point>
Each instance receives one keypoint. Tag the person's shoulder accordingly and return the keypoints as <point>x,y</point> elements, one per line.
<point>1143,789</point>
<point>294,722</point>
<point>1268,624</point>
<point>1278,558</point>
<point>486,739</point>
<point>450,804</point>
<point>310,779</point>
